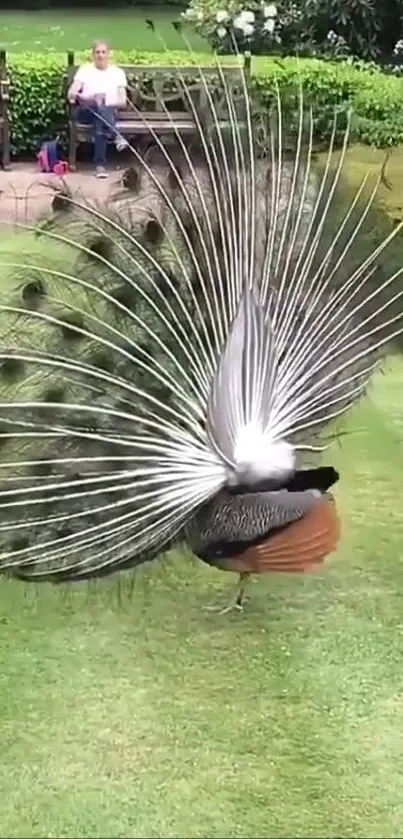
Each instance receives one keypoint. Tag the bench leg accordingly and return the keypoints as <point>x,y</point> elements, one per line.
<point>72,155</point>
<point>6,144</point>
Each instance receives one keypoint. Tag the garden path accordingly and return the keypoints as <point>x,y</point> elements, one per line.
<point>25,195</point>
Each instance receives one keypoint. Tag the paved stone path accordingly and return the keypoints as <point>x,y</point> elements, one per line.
<point>24,196</point>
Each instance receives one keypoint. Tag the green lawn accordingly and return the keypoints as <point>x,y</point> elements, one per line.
<point>60,30</point>
<point>142,715</point>
<point>135,713</point>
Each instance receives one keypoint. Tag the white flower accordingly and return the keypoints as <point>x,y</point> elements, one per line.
<point>269,25</point>
<point>270,10</point>
<point>190,13</point>
<point>221,16</point>
<point>199,16</point>
<point>248,30</point>
<point>221,31</point>
<point>244,19</point>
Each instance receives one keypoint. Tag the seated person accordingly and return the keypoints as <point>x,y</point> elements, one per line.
<point>98,89</point>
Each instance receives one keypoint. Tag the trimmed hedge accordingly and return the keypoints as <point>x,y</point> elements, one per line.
<point>38,110</point>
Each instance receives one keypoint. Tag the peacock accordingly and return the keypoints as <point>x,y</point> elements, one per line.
<point>177,361</point>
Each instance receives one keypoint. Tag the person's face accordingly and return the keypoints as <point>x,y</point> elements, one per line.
<point>100,55</point>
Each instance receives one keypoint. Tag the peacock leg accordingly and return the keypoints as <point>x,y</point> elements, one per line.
<point>236,601</point>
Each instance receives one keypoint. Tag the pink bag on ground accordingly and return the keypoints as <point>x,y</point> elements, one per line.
<point>48,160</point>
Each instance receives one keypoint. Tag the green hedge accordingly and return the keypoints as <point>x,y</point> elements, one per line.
<point>38,111</point>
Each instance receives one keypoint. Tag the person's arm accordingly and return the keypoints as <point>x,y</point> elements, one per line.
<point>121,89</point>
<point>75,87</point>
<point>122,96</point>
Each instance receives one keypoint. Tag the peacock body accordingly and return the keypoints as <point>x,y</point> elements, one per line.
<point>174,362</point>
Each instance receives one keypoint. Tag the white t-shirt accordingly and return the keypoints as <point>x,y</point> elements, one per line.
<point>94,81</point>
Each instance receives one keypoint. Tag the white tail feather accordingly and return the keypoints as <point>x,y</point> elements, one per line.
<point>227,347</point>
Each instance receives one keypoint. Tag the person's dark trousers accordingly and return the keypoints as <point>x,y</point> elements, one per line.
<point>102,119</point>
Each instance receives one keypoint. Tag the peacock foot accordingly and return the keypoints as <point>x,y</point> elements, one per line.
<point>237,601</point>
<point>223,610</point>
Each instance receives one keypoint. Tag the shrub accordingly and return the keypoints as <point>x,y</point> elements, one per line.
<point>375,99</point>
<point>261,27</point>
<point>366,29</point>
<point>38,108</point>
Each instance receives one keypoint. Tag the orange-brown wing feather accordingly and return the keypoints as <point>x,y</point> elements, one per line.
<point>300,547</point>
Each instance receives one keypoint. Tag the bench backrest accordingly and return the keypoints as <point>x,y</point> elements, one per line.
<point>156,87</point>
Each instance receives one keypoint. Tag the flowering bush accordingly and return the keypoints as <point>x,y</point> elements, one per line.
<point>367,29</point>
<point>260,27</point>
<point>256,28</point>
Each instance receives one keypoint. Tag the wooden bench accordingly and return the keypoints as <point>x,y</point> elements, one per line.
<point>152,89</point>
<point>4,114</point>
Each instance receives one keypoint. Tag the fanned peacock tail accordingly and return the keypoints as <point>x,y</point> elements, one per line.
<point>207,326</point>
